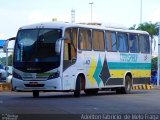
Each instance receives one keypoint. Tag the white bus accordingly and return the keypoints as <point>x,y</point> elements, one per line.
<point>73,57</point>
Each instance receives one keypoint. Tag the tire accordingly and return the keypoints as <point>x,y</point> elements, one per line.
<point>35,94</point>
<point>127,88</point>
<point>91,91</point>
<point>78,88</point>
<point>12,89</point>
<point>128,84</point>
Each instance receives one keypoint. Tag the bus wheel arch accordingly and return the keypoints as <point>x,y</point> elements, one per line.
<point>79,84</point>
<point>130,75</point>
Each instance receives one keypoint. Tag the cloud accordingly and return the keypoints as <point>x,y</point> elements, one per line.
<point>155,16</point>
<point>1,36</point>
<point>42,16</point>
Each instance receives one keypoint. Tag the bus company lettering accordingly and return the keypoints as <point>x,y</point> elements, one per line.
<point>128,57</point>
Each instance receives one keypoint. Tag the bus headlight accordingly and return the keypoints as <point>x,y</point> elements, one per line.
<point>54,75</point>
<point>15,75</point>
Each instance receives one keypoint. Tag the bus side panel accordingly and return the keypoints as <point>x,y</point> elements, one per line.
<point>142,75</point>
<point>71,72</point>
<point>98,71</point>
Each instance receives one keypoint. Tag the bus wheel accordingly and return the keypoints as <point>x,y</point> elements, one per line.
<point>35,94</point>
<point>91,91</point>
<point>77,91</point>
<point>127,88</point>
<point>12,89</point>
<point>128,84</point>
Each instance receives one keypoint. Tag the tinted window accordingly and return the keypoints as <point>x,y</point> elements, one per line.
<point>98,40</point>
<point>122,42</point>
<point>108,41</point>
<point>37,45</point>
<point>34,50</point>
<point>84,39</point>
<point>144,43</point>
<point>133,43</point>
<point>70,44</point>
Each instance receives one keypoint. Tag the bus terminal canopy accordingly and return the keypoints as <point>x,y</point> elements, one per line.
<point>2,42</point>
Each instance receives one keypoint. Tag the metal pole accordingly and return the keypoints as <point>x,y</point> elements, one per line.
<point>141,12</point>
<point>158,61</point>
<point>7,59</point>
<point>91,10</point>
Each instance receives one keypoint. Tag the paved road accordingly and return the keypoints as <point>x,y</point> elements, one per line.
<point>59,103</point>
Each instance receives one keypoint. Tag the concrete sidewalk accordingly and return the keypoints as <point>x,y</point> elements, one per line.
<point>155,87</point>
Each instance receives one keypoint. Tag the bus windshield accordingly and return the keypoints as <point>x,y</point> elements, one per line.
<point>37,46</point>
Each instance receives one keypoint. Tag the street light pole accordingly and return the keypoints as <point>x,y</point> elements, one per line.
<point>158,61</point>
<point>91,10</point>
<point>141,12</point>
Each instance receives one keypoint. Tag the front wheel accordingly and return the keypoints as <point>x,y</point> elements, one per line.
<point>77,91</point>
<point>35,94</point>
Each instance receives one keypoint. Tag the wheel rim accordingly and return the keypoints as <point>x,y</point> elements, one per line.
<point>128,84</point>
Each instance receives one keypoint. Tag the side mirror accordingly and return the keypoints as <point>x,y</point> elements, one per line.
<point>58,46</point>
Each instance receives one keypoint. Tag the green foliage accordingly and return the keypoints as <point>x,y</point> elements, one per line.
<point>133,27</point>
<point>3,60</point>
<point>10,60</point>
<point>149,27</point>
<point>154,63</point>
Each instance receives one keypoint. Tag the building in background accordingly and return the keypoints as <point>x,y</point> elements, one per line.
<point>2,43</point>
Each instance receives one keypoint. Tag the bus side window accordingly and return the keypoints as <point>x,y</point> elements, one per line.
<point>84,39</point>
<point>114,41</point>
<point>108,41</point>
<point>133,43</point>
<point>122,42</point>
<point>70,44</point>
<point>144,43</point>
<point>98,40</point>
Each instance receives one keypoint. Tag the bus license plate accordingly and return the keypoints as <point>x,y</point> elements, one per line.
<point>33,83</point>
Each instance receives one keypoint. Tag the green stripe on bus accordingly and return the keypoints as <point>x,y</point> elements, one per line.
<point>139,66</point>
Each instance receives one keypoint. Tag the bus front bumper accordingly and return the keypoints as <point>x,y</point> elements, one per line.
<point>46,85</point>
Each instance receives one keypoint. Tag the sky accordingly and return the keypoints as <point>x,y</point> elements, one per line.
<point>17,13</point>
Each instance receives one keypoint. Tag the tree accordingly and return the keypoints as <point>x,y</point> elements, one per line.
<point>149,27</point>
<point>133,27</point>
<point>154,63</point>
<point>3,60</point>
<point>10,60</point>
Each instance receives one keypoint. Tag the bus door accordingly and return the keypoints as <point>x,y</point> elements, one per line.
<point>69,58</point>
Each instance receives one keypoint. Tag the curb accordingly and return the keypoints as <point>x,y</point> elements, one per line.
<point>155,87</point>
<point>142,87</point>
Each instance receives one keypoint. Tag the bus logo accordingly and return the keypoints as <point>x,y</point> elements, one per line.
<point>128,57</point>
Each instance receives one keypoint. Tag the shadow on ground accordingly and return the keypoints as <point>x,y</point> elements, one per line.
<point>61,95</point>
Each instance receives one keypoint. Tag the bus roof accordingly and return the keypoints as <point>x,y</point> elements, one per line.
<point>62,25</point>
